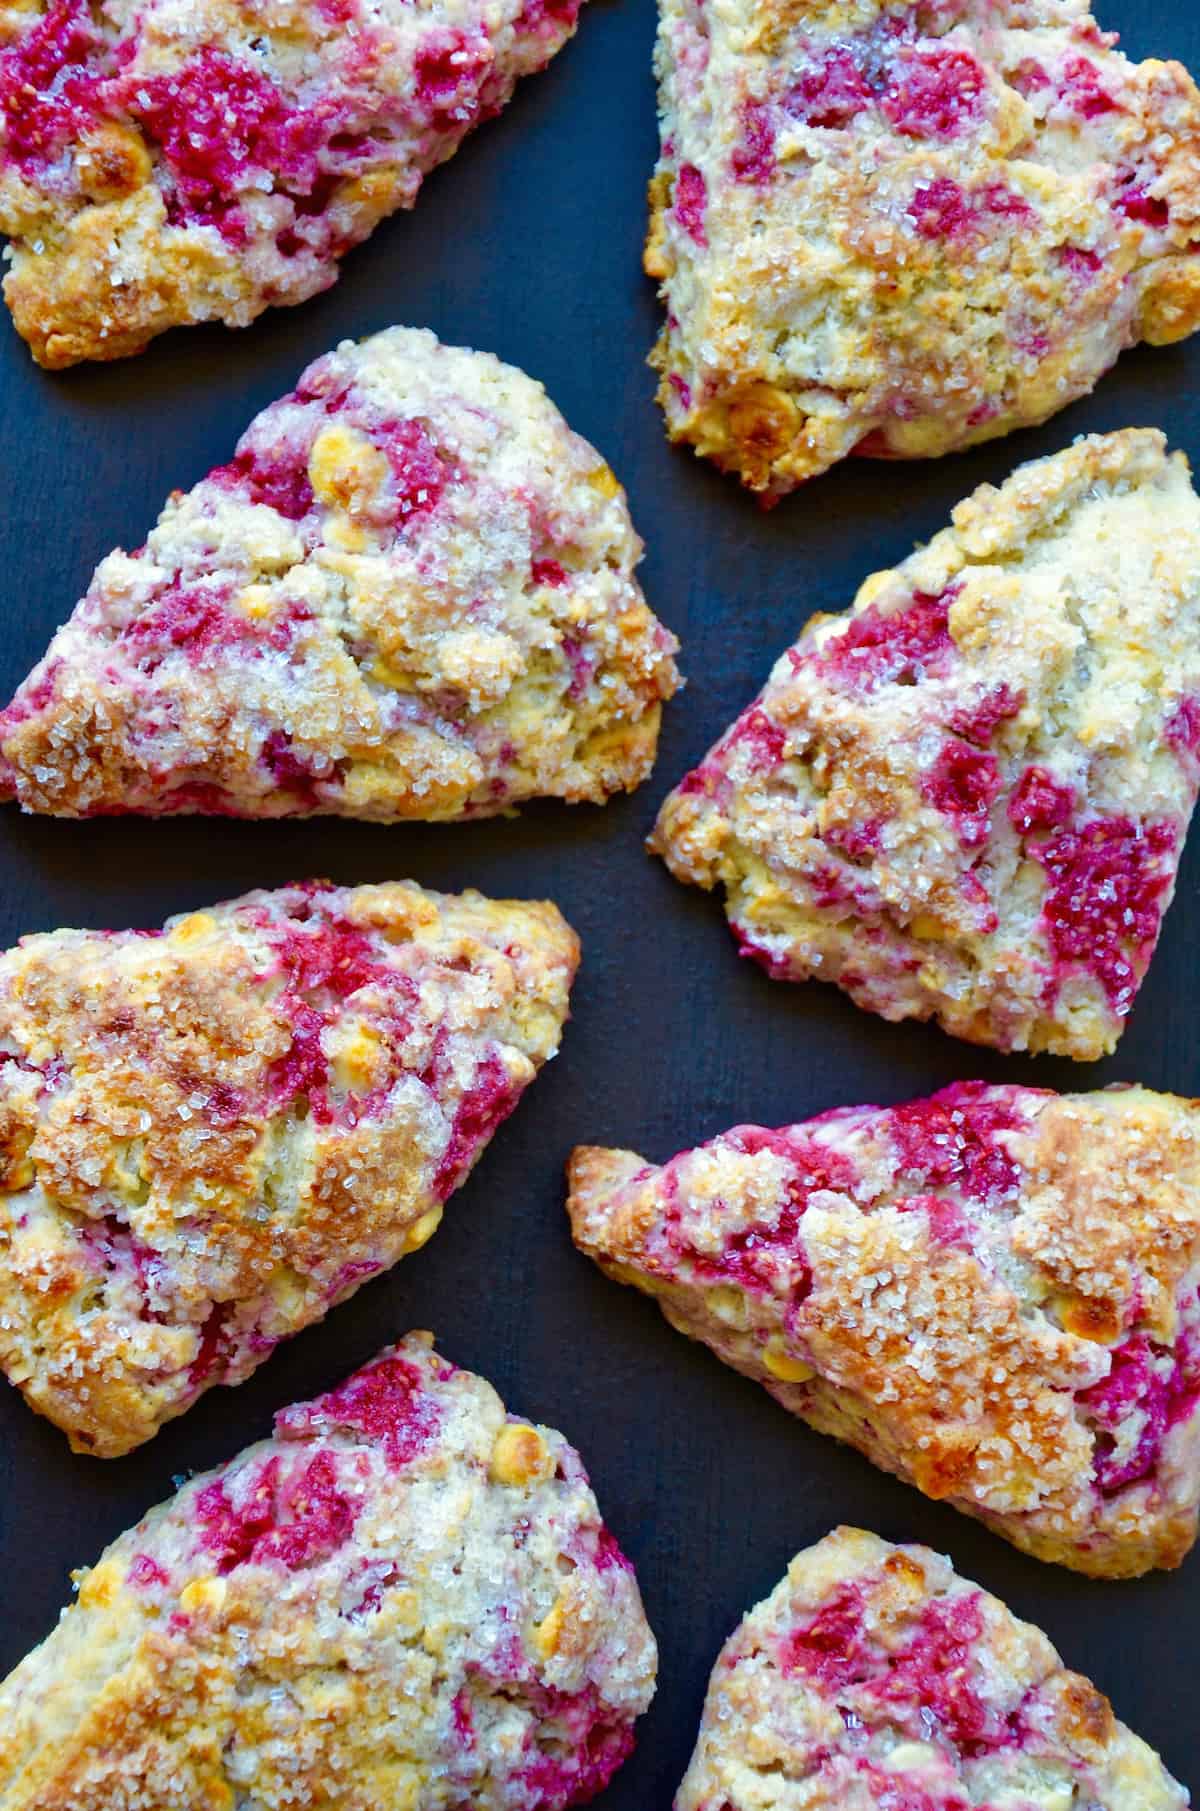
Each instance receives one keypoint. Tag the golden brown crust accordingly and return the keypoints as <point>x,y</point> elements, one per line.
<point>874,1676</point>
<point>994,1294</point>
<point>213,1134</point>
<point>906,233</point>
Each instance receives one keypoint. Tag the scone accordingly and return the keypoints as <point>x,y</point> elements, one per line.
<point>410,594</point>
<point>404,1599</point>
<point>993,1293</point>
<point>873,1678</point>
<point>211,1134</point>
<point>901,229</point>
<point>968,799</point>
<point>196,160</point>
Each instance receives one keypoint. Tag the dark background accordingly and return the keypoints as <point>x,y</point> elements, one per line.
<point>527,245</point>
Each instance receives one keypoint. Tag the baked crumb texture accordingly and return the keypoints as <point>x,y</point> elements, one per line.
<point>873,1678</point>
<point>968,799</point>
<point>404,1599</point>
<point>901,227</point>
<point>410,594</point>
<point>993,1293</point>
<point>197,160</point>
<point>211,1134</point>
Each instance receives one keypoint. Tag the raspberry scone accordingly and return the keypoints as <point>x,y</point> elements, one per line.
<point>211,1134</point>
<point>993,1294</point>
<point>874,1678</point>
<point>192,160</point>
<point>901,227</point>
<point>968,799</point>
<point>405,1598</point>
<point>410,594</point>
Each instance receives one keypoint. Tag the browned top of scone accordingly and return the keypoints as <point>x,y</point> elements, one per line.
<point>1006,1282</point>
<point>210,1134</point>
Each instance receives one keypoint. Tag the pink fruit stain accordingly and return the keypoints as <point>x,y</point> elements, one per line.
<point>1084,265</point>
<point>48,82</point>
<point>279,480</point>
<point>590,1744</point>
<point>935,92</point>
<point>548,18</point>
<point>1103,907</point>
<point>1182,728</point>
<point>462,1719</point>
<point>418,474</point>
<point>963,784</point>
<point>1149,210</point>
<point>898,1792</point>
<point>34,696</point>
<point>386,1402</point>
<point>941,210</point>
<point>753,157</point>
<point>218,119</point>
<point>289,770</point>
<point>830,94</point>
<point>548,572</point>
<point>755,1256</point>
<point>1083,91</point>
<point>1004,202</point>
<point>831,1648</point>
<point>486,1104</point>
<point>450,74</point>
<point>937,1673</point>
<point>691,201</point>
<point>329,959</point>
<point>293,1522</point>
<point>581,660</point>
<point>144,1572</point>
<point>857,842</point>
<point>951,1140</point>
<point>197,621</point>
<point>682,389</point>
<point>773,964</point>
<point>897,648</point>
<point>977,896</point>
<point>764,741</point>
<point>213,1345</point>
<point>1040,802</point>
<point>979,722</point>
<point>607,1555</point>
<point>948,1227</point>
<point>1150,1383</point>
<point>930,1682</point>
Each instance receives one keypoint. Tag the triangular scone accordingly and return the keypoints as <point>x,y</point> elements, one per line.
<point>874,1678</point>
<point>993,1293</point>
<point>403,1599</point>
<point>905,228</point>
<point>968,799</point>
<point>211,1134</point>
<point>165,163</point>
<point>409,595</point>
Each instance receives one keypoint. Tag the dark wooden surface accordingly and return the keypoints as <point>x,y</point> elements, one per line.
<point>528,245</point>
